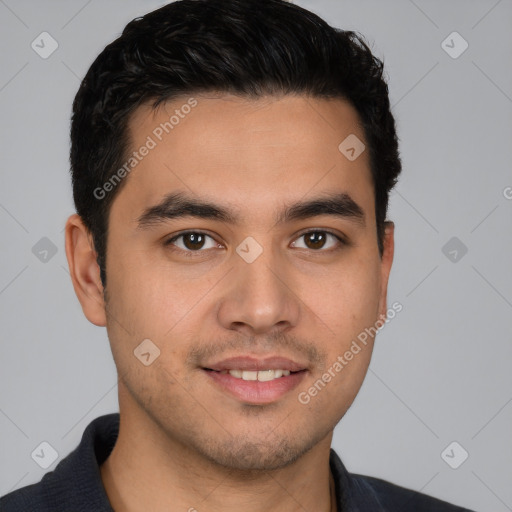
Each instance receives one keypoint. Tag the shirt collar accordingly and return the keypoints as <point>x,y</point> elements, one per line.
<point>352,494</point>
<point>99,438</point>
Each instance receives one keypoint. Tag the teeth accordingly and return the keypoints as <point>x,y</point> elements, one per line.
<point>262,375</point>
<point>266,375</point>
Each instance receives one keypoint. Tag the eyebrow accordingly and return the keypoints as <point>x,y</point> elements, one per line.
<point>178,204</point>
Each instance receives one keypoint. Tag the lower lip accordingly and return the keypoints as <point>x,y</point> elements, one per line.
<point>254,391</point>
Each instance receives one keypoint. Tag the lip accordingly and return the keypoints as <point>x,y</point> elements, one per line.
<point>255,392</point>
<point>249,363</point>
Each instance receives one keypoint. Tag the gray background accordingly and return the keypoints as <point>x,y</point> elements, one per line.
<point>440,370</point>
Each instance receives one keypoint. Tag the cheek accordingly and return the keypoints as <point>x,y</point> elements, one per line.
<point>349,299</point>
<point>143,296</point>
<point>348,305</point>
<point>153,299</point>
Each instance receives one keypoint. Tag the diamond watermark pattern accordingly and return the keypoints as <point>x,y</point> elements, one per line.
<point>351,147</point>
<point>454,45</point>
<point>454,455</point>
<point>44,455</point>
<point>454,249</point>
<point>249,249</point>
<point>146,352</point>
<point>44,45</point>
<point>44,250</point>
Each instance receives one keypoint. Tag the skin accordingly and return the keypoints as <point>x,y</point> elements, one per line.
<point>184,443</point>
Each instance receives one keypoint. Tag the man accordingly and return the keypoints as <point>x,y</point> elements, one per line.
<point>231,164</point>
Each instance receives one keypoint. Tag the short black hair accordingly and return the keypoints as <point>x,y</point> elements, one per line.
<point>248,48</point>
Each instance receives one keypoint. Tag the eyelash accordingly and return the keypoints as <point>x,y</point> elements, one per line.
<point>193,254</point>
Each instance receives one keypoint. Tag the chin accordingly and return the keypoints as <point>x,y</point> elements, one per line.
<point>240,454</point>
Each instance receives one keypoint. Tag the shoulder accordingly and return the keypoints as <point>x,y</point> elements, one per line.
<point>370,494</point>
<point>75,483</point>
<point>26,498</point>
<point>395,498</point>
<point>33,497</point>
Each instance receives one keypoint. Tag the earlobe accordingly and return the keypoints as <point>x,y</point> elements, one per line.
<point>386,263</point>
<point>84,270</point>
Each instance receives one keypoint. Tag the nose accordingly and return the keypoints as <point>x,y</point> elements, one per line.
<point>259,297</point>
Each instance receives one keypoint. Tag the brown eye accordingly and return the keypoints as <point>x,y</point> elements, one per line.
<point>316,240</point>
<point>191,241</point>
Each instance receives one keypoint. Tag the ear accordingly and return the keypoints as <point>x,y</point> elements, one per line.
<point>84,270</point>
<point>385,265</point>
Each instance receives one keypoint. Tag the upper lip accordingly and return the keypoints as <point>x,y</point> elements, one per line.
<point>248,363</point>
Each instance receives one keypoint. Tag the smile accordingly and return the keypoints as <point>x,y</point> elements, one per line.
<point>257,387</point>
<point>261,375</point>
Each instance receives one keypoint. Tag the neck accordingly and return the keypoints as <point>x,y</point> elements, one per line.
<point>149,471</point>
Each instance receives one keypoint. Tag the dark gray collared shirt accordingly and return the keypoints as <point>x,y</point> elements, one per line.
<point>75,484</point>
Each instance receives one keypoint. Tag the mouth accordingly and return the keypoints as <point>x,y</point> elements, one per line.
<point>255,381</point>
<point>259,375</point>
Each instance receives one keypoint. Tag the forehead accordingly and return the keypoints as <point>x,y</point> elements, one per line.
<point>246,151</point>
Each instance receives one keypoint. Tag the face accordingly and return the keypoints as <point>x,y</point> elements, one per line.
<point>235,273</point>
